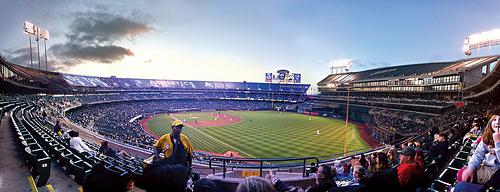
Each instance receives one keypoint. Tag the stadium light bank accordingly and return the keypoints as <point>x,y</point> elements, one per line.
<point>479,40</point>
<point>342,64</point>
<point>32,30</point>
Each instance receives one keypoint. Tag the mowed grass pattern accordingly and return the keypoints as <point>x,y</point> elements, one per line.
<point>267,134</point>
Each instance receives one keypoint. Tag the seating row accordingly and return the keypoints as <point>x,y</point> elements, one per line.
<point>78,165</point>
<point>447,178</point>
<point>37,159</point>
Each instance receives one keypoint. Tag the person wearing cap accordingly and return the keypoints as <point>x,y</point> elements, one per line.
<point>409,176</point>
<point>175,145</point>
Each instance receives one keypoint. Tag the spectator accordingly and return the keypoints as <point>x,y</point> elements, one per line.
<point>359,172</point>
<point>57,128</point>
<point>313,167</point>
<point>255,184</point>
<point>373,162</point>
<point>383,178</point>
<point>108,151</point>
<point>409,176</point>
<point>323,179</point>
<point>428,139</point>
<point>393,157</point>
<point>346,168</point>
<point>487,152</point>
<point>205,185</point>
<point>381,162</point>
<point>175,145</point>
<point>165,175</point>
<point>420,159</point>
<point>440,148</point>
<point>66,133</point>
<point>77,144</point>
<point>358,184</point>
<point>362,161</point>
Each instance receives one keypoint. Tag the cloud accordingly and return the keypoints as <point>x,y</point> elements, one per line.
<point>91,37</point>
<point>94,37</point>
<point>98,28</point>
<point>96,53</point>
<point>21,56</point>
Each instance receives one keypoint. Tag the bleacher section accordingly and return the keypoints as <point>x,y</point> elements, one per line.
<point>41,145</point>
<point>30,140</point>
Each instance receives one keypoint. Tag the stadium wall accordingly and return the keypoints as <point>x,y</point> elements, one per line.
<point>473,76</point>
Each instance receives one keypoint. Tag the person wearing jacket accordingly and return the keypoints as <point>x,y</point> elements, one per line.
<point>485,161</point>
<point>175,145</point>
<point>487,153</point>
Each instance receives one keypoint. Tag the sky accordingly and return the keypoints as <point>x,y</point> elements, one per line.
<point>238,41</point>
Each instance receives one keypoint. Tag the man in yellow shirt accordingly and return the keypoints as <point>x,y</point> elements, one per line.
<point>175,146</point>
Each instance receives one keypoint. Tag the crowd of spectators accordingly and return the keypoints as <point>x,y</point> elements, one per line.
<point>400,122</point>
<point>398,100</point>
<point>420,105</point>
<point>113,120</point>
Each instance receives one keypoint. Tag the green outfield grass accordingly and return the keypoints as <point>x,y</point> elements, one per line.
<point>266,134</point>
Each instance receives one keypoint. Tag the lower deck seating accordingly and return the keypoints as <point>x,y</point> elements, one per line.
<point>37,159</point>
<point>78,165</point>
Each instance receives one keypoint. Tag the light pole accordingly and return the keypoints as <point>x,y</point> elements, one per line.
<point>31,53</point>
<point>346,116</point>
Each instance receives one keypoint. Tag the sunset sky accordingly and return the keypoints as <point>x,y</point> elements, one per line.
<point>241,40</point>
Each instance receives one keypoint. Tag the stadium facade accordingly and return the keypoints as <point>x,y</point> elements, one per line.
<point>412,93</point>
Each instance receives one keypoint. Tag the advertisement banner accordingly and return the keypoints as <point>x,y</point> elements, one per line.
<point>296,78</point>
<point>269,77</point>
<point>281,77</point>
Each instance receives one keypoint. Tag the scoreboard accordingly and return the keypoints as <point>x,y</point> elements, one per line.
<point>283,76</point>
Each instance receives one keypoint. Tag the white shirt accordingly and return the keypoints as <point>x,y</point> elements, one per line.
<point>77,144</point>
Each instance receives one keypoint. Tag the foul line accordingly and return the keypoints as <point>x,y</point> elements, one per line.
<point>216,139</point>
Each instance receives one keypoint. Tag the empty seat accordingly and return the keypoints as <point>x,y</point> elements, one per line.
<point>39,164</point>
<point>80,169</point>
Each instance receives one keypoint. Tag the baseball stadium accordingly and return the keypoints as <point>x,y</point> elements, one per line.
<point>182,117</point>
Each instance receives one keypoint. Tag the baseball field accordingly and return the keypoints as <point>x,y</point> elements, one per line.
<point>260,134</point>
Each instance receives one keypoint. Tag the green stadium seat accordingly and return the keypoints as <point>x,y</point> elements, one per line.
<point>80,170</point>
<point>457,163</point>
<point>39,164</point>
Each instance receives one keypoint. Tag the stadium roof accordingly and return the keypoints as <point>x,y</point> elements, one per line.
<point>406,71</point>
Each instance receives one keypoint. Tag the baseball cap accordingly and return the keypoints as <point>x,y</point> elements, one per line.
<point>177,123</point>
<point>408,151</point>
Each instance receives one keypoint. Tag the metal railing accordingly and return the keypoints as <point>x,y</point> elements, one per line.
<point>229,162</point>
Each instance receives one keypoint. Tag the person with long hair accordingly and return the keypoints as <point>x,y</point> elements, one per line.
<point>381,162</point>
<point>486,158</point>
<point>393,157</point>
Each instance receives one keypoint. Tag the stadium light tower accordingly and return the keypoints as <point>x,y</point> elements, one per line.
<point>478,40</point>
<point>346,115</point>
<point>39,33</point>
<point>343,64</point>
